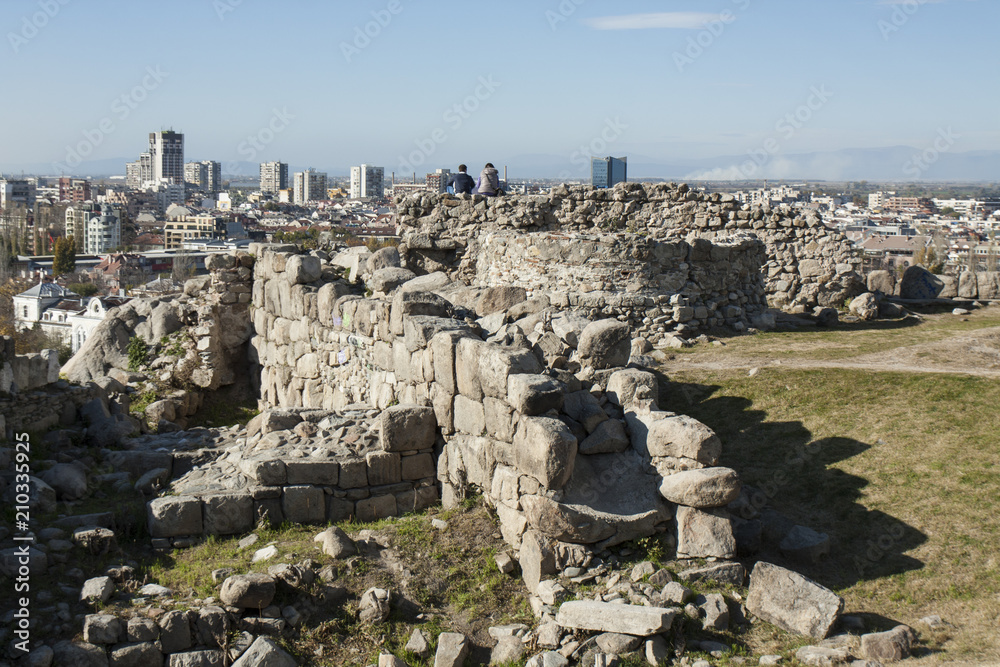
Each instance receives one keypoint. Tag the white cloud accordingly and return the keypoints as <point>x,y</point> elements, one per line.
<point>676,20</point>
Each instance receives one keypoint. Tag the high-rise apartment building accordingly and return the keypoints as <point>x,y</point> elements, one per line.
<point>205,175</point>
<point>438,181</point>
<point>196,174</point>
<point>214,170</point>
<point>140,172</point>
<point>273,177</point>
<point>309,186</point>
<point>606,172</point>
<point>367,181</point>
<point>166,149</point>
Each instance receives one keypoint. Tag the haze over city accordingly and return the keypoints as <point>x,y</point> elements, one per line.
<point>686,89</point>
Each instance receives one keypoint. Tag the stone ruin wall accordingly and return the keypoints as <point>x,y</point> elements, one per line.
<point>806,263</point>
<point>657,286</point>
<point>566,462</point>
<point>31,393</point>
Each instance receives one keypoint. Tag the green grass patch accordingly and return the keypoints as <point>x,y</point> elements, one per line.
<point>901,469</point>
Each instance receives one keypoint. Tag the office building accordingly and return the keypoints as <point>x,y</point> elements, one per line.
<point>309,186</point>
<point>367,181</point>
<point>273,177</point>
<point>606,172</point>
<point>166,148</point>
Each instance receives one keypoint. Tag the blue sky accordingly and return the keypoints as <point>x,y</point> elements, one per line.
<point>529,78</point>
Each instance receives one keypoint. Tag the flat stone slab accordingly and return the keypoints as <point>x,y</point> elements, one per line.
<point>792,602</point>
<point>624,619</point>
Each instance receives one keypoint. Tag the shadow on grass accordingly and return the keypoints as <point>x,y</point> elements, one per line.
<point>791,473</point>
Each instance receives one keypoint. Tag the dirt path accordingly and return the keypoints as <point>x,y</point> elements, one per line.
<point>972,353</point>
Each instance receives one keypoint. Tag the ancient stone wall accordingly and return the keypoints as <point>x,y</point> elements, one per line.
<point>24,372</point>
<point>567,458</point>
<point>658,286</point>
<point>806,263</point>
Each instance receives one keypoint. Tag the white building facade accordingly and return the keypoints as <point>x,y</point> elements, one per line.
<point>367,181</point>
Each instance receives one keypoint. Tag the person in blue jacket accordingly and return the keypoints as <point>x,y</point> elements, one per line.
<point>461,182</point>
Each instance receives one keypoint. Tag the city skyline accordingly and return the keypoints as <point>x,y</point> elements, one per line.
<point>718,89</point>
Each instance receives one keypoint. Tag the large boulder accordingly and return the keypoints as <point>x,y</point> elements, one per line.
<point>890,646</point>
<point>605,344</point>
<point>630,384</point>
<point>664,434</point>
<point>882,282</point>
<point>384,258</point>
<point>865,307</point>
<point>248,591</point>
<point>303,269</point>
<point>105,348</point>
<point>388,279</point>
<point>705,487</point>
<point>163,321</point>
<point>704,533</point>
<point>919,283</point>
<point>546,449</point>
<point>792,602</point>
<point>67,479</point>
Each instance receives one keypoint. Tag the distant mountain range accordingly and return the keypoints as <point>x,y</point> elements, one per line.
<point>892,164</point>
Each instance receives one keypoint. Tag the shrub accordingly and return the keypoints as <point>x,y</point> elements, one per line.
<point>137,351</point>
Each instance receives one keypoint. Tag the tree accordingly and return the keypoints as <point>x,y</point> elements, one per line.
<point>183,266</point>
<point>64,260</point>
<point>84,289</point>
<point>927,257</point>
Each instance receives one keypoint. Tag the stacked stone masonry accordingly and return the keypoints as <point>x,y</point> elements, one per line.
<point>806,263</point>
<point>569,460</point>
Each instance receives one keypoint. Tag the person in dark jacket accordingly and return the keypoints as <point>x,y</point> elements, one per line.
<point>462,182</point>
<point>489,181</point>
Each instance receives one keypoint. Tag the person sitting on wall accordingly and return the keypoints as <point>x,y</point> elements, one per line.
<point>489,181</point>
<point>462,182</point>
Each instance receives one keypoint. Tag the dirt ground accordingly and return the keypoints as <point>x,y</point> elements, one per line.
<point>974,352</point>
